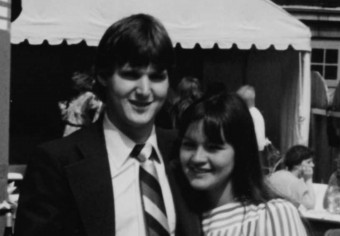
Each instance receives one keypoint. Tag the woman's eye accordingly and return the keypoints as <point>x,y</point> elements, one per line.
<point>213,147</point>
<point>187,145</point>
<point>130,74</point>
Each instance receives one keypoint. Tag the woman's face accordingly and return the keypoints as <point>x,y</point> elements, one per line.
<point>207,166</point>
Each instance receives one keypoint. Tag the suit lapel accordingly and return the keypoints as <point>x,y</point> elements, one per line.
<point>90,181</point>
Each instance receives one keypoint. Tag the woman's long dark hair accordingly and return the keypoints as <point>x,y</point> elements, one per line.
<point>228,113</point>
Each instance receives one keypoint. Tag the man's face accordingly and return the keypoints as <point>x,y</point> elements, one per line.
<point>306,167</point>
<point>135,95</point>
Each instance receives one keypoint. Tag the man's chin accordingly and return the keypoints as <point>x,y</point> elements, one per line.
<point>140,122</point>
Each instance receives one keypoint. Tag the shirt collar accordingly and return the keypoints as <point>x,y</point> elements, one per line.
<point>120,146</point>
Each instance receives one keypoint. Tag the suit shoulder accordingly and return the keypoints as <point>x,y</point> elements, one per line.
<point>65,144</point>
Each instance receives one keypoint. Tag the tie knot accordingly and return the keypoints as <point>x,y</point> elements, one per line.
<point>143,152</point>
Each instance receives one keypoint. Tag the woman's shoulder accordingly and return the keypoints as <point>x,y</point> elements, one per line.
<point>276,217</point>
<point>281,208</point>
<point>281,217</point>
<point>274,207</point>
<point>280,204</point>
<point>223,209</point>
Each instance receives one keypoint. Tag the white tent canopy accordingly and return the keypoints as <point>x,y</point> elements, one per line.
<point>222,22</point>
<point>245,23</point>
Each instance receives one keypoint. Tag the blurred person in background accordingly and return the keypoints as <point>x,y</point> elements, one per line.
<point>295,182</point>
<point>188,90</point>
<point>248,94</point>
<point>84,108</point>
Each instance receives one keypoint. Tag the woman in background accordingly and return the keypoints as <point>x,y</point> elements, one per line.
<point>188,90</point>
<point>219,157</point>
<point>84,108</point>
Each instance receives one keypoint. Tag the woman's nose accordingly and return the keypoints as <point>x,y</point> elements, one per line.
<point>143,86</point>
<point>199,156</point>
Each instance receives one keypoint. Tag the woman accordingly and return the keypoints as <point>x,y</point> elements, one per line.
<point>219,157</point>
<point>84,108</point>
<point>188,90</point>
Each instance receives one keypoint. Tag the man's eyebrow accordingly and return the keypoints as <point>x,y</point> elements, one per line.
<point>162,72</point>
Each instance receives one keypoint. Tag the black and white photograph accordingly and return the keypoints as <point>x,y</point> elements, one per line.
<point>170,118</point>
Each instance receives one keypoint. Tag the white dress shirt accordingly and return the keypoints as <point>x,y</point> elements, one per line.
<point>125,180</point>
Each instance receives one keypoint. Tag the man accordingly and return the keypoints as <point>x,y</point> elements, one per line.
<point>89,182</point>
<point>296,181</point>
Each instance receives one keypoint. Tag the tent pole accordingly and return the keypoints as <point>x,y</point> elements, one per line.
<point>4,101</point>
<point>304,109</point>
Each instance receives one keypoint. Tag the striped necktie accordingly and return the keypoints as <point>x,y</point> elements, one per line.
<point>156,221</point>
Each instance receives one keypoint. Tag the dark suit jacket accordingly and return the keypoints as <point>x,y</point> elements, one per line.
<point>67,189</point>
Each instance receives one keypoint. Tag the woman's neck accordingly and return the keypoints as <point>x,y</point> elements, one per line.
<point>222,197</point>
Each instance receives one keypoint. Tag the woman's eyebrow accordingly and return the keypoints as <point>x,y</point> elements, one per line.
<point>186,138</point>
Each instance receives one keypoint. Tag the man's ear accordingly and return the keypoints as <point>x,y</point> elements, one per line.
<point>102,81</point>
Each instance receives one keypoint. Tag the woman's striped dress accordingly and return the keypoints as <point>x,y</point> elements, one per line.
<point>276,218</point>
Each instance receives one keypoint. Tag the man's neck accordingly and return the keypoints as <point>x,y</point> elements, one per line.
<point>138,134</point>
<point>296,173</point>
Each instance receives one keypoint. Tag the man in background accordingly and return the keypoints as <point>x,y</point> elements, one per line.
<point>296,181</point>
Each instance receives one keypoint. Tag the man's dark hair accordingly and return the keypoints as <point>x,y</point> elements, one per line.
<point>296,154</point>
<point>139,40</point>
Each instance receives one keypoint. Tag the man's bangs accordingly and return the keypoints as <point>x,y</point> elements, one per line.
<point>142,52</point>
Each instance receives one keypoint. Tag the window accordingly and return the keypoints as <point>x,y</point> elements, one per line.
<point>325,60</point>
